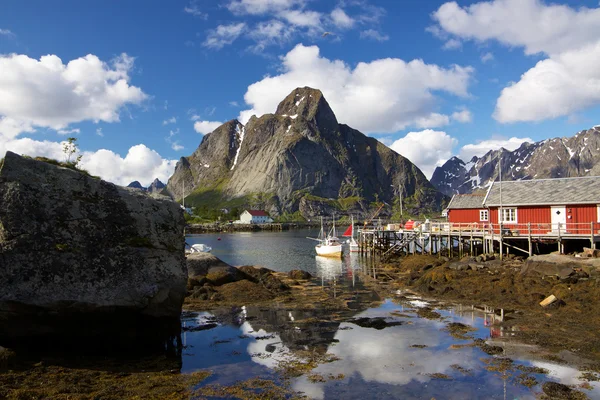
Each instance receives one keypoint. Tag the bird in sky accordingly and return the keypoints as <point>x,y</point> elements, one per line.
<point>325,34</point>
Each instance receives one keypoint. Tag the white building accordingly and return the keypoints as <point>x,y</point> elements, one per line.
<point>255,217</point>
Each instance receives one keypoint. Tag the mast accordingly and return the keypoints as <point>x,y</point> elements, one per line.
<point>333,230</point>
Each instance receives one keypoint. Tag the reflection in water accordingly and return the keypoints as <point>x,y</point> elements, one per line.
<point>417,359</point>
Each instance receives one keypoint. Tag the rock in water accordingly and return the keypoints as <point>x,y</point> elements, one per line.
<point>73,246</point>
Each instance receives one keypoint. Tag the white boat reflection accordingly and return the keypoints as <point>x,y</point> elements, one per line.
<point>329,269</point>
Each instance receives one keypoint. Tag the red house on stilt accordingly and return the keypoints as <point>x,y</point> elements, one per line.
<point>467,209</point>
<point>561,205</point>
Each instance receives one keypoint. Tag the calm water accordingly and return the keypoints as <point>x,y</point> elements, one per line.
<point>416,359</point>
<point>280,251</point>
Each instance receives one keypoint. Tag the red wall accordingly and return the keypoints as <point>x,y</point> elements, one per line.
<point>463,216</point>
<point>581,214</point>
<point>538,216</point>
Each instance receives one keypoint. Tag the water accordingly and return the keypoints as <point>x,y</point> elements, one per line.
<point>415,359</point>
<point>280,251</point>
<point>375,364</point>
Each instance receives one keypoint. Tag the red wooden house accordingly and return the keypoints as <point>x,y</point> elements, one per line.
<point>546,206</point>
<point>467,209</point>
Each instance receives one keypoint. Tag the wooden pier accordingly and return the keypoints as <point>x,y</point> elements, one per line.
<point>459,239</point>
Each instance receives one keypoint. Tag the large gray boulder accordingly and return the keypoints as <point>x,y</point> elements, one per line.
<point>72,244</point>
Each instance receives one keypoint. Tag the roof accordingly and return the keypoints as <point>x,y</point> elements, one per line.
<point>258,213</point>
<point>462,201</point>
<point>558,191</point>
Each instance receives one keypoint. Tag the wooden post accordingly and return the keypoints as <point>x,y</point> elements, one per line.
<point>431,238</point>
<point>592,243</point>
<point>459,243</point>
<point>471,243</point>
<point>530,249</point>
<point>449,244</point>
<point>501,242</point>
<point>559,241</point>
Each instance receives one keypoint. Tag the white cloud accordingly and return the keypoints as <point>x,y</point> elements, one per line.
<point>555,87</point>
<point>487,57</point>
<point>194,10</point>
<point>341,19</point>
<point>99,132</point>
<point>140,164</point>
<point>480,148</point>
<point>311,19</point>
<point>373,34</point>
<point>463,116</point>
<point>531,24</point>
<point>48,93</point>
<point>257,7</point>
<point>6,32</point>
<point>433,120</point>
<point>172,120</point>
<point>271,32</point>
<point>68,131</point>
<point>566,82</point>
<point>384,95</point>
<point>205,127</point>
<point>452,44</point>
<point>176,146</point>
<point>427,149</point>
<point>234,104</point>
<point>224,35</point>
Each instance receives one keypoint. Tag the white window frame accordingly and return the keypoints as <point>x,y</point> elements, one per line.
<point>484,215</point>
<point>507,212</point>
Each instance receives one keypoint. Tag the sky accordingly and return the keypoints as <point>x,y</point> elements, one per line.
<point>139,83</point>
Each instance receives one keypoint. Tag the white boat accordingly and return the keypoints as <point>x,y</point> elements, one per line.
<point>200,248</point>
<point>350,233</point>
<point>330,245</point>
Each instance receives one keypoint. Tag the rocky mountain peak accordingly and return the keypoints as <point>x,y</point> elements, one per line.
<point>136,185</point>
<point>298,159</point>
<point>310,104</point>
<point>573,156</point>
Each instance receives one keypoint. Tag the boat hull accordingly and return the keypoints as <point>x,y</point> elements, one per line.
<point>329,250</point>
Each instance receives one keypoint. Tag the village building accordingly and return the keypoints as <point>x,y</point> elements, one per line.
<point>467,209</point>
<point>545,206</point>
<point>255,217</point>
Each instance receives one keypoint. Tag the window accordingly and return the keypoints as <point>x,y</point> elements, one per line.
<point>509,215</point>
<point>483,215</point>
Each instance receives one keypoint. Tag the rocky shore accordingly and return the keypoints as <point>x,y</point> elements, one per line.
<point>570,322</point>
<point>563,332</point>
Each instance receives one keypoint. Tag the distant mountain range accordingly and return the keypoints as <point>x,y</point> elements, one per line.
<point>155,187</point>
<point>299,159</point>
<point>574,156</point>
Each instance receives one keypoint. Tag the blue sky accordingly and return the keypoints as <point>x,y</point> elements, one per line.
<point>139,83</point>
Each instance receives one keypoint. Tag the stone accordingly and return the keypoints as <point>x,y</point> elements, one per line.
<point>299,274</point>
<point>198,264</point>
<point>265,277</point>
<point>559,391</point>
<point>72,245</point>
<point>545,268</point>
<point>588,252</point>
<point>7,358</point>
<point>225,274</point>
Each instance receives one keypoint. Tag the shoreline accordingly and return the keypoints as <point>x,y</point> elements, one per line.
<point>219,289</point>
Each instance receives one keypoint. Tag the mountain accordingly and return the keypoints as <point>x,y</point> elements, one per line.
<point>578,155</point>
<point>155,187</point>
<point>298,159</point>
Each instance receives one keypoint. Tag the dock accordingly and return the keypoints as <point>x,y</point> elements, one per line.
<point>459,239</point>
